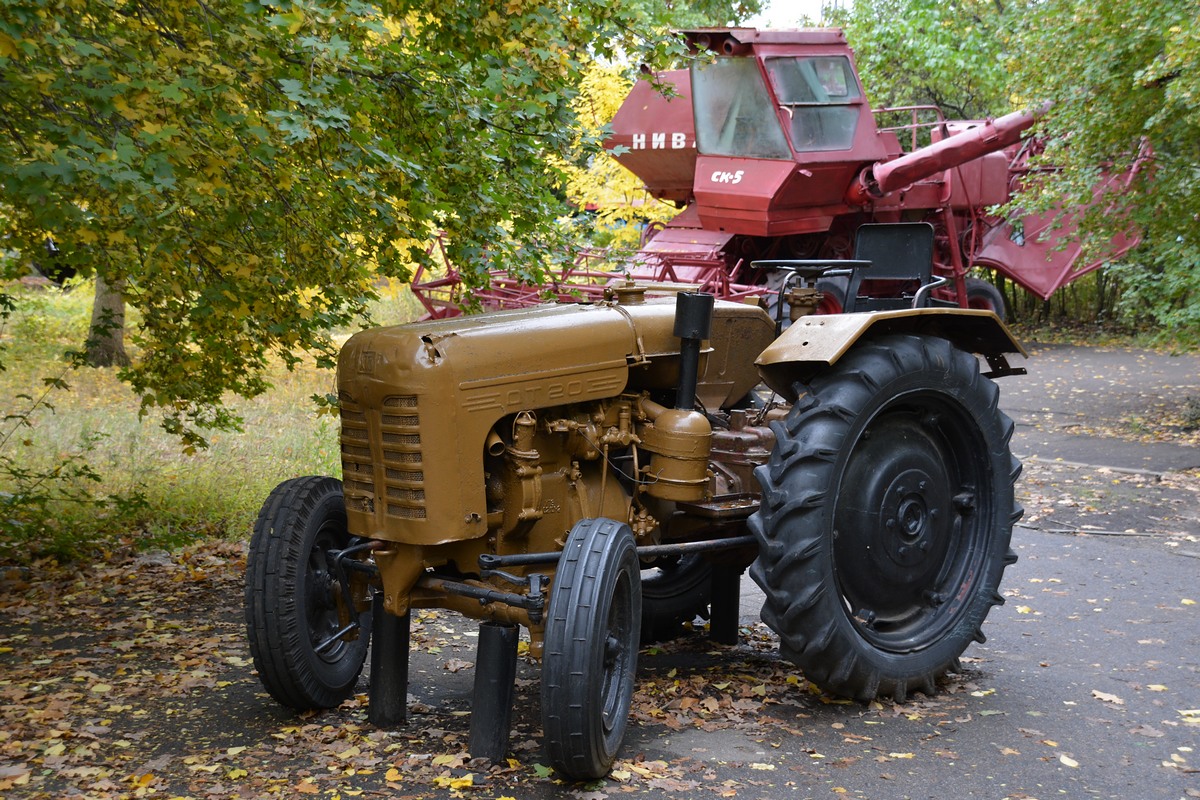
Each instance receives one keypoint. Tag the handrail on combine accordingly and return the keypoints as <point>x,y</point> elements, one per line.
<point>915,126</point>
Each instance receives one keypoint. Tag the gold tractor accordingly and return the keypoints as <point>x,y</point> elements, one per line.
<point>590,472</point>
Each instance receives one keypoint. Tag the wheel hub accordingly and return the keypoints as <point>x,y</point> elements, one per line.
<point>909,514</point>
<point>896,524</point>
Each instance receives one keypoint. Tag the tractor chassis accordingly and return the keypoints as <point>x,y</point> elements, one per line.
<point>496,656</point>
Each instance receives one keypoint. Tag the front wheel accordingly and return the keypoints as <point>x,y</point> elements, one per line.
<point>590,648</point>
<point>833,294</point>
<point>295,608</point>
<point>886,517</point>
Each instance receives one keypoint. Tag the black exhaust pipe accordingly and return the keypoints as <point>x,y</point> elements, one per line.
<point>693,324</point>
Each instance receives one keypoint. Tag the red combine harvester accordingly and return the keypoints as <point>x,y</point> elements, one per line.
<point>773,154</point>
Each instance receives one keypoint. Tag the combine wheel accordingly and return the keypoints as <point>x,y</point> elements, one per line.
<point>292,597</point>
<point>886,517</point>
<point>674,591</point>
<point>591,644</point>
<point>983,295</point>
<point>833,294</point>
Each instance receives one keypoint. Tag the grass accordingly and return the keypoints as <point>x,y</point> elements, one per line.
<point>139,490</point>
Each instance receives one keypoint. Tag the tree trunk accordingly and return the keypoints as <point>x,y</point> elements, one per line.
<point>106,335</point>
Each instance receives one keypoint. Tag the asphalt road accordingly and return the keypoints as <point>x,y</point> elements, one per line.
<point>1090,669</point>
<point>1073,393</point>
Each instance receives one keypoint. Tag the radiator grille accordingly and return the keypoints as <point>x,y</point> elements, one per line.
<point>399,452</point>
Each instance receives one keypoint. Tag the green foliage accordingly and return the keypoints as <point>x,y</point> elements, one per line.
<point>1122,82</point>
<point>1163,292</point>
<point>246,169</point>
<point>1121,77</point>
<point>920,52</point>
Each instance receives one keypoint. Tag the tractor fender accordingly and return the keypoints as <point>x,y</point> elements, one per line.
<point>818,341</point>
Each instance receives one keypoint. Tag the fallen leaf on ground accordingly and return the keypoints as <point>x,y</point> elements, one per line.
<point>1108,698</point>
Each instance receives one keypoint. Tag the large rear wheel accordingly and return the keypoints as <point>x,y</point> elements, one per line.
<point>886,517</point>
<point>590,648</point>
<point>294,603</point>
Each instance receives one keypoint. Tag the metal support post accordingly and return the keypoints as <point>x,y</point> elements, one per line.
<point>726,596</point>
<point>388,699</point>
<point>495,678</point>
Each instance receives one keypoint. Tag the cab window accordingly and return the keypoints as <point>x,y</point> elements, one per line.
<point>734,112</point>
<point>821,98</point>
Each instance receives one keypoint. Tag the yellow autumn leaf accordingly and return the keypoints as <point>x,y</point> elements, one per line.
<point>1188,602</point>
<point>44,79</point>
<point>294,19</point>
<point>8,46</point>
<point>447,782</point>
<point>1024,610</point>
<point>1068,761</point>
<point>392,775</point>
<point>1157,687</point>
<point>124,109</point>
<point>394,27</point>
<point>902,755</point>
<point>235,774</point>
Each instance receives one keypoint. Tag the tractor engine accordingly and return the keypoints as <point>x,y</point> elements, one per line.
<point>500,433</point>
